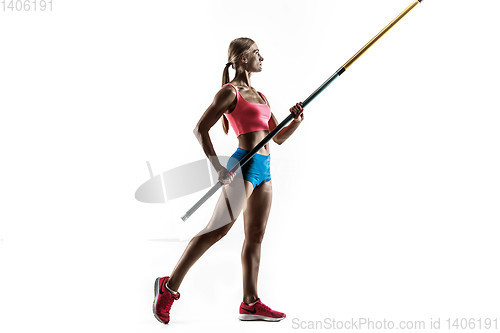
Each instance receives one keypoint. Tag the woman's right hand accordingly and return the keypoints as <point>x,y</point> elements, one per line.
<point>225,176</point>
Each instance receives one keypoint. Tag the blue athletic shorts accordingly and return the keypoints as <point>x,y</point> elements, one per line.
<point>257,170</point>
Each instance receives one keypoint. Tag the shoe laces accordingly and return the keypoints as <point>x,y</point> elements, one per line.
<point>171,298</point>
<point>265,307</point>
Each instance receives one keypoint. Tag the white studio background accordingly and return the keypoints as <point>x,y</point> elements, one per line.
<point>385,201</point>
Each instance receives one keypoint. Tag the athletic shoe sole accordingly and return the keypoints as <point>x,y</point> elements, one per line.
<point>258,317</point>
<point>157,293</point>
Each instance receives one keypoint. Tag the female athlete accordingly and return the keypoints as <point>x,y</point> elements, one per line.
<point>250,190</point>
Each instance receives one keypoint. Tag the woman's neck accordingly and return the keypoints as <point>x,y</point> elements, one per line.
<point>243,79</point>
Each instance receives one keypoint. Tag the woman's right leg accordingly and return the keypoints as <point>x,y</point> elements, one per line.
<point>231,202</point>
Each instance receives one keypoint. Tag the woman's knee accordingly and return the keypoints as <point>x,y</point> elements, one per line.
<point>217,234</point>
<point>255,236</point>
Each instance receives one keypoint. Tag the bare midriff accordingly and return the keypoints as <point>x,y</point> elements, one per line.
<point>248,141</point>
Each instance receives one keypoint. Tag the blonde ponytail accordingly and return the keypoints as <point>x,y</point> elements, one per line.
<point>225,79</point>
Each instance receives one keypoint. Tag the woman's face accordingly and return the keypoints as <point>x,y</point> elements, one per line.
<point>254,59</point>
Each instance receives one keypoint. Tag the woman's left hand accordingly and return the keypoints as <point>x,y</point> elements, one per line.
<point>298,115</point>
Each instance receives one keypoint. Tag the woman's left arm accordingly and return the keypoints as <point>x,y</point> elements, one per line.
<point>287,131</point>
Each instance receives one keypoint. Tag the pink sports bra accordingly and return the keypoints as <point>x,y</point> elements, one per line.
<point>248,117</point>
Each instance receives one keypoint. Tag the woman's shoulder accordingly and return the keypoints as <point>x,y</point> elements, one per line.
<point>226,94</point>
<point>229,90</point>
<point>231,86</point>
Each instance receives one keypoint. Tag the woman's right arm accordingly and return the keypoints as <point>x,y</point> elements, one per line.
<point>222,100</point>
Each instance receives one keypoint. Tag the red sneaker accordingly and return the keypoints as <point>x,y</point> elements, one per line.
<point>163,300</point>
<point>259,311</point>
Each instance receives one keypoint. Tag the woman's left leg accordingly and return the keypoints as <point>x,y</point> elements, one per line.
<point>255,216</point>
